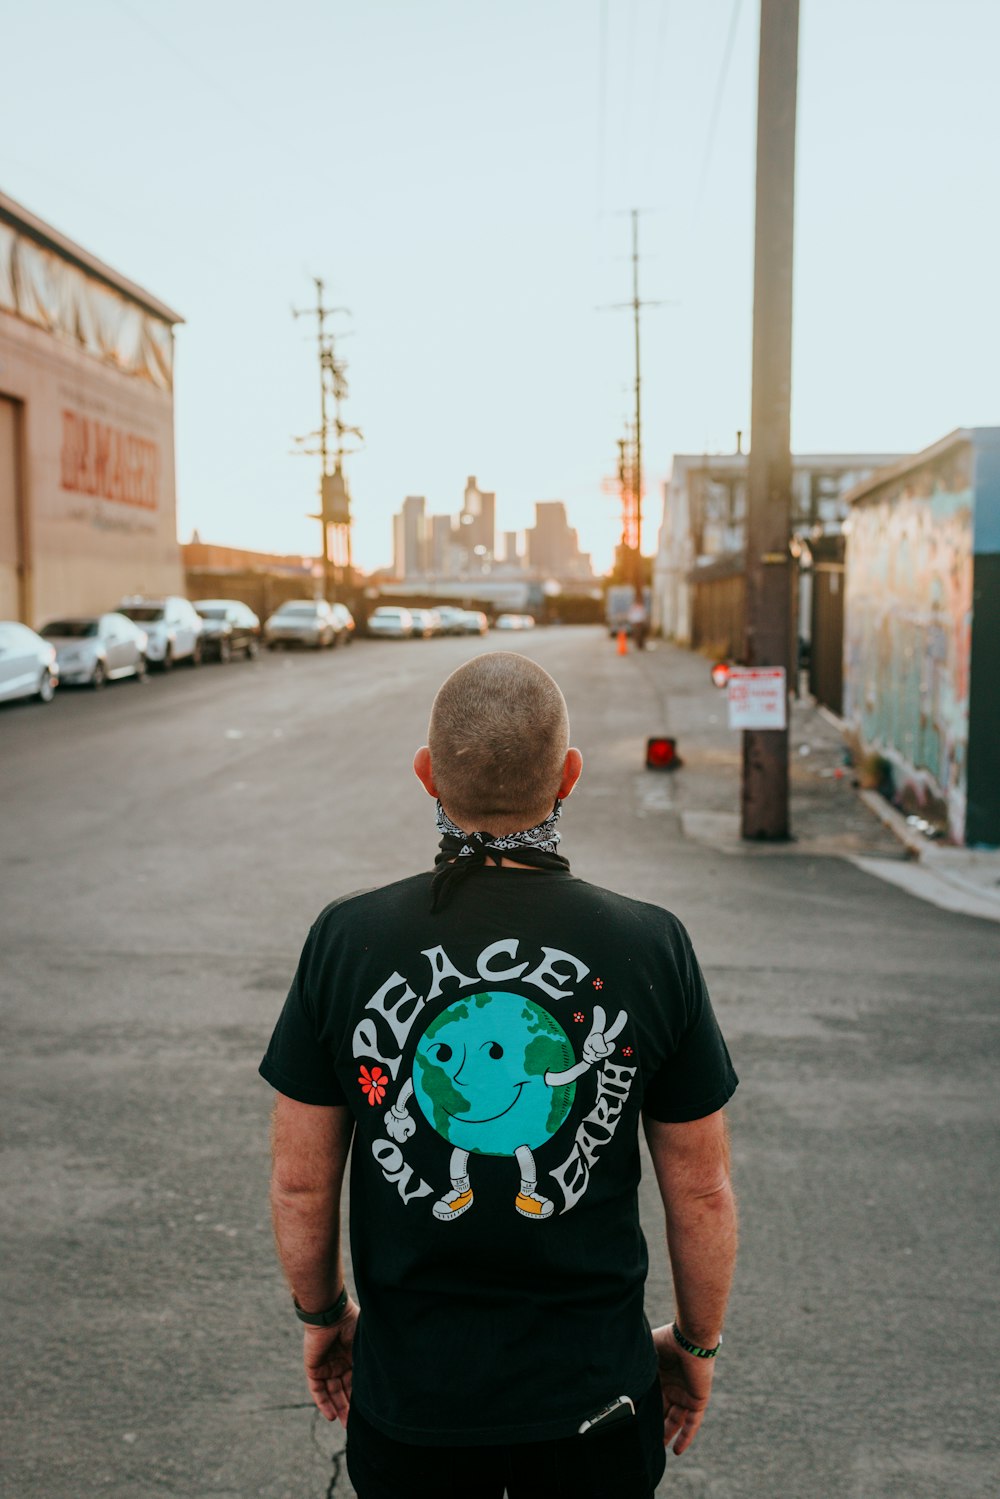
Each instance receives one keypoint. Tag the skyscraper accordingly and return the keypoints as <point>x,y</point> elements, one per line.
<point>550,540</point>
<point>478,521</point>
<point>409,533</point>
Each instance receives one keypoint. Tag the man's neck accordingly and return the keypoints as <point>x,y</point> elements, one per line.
<point>507,864</point>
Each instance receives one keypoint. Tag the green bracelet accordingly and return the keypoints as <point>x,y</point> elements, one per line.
<point>323,1319</point>
<point>693,1348</point>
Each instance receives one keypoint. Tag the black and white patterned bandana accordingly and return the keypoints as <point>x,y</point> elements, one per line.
<point>463,852</point>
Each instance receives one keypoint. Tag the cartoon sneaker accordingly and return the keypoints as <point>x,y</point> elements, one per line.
<point>531,1205</point>
<point>453,1204</point>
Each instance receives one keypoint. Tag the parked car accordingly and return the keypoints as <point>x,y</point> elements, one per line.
<point>306,622</point>
<point>515,622</point>
<point>97,648</point>
<point>343,624</point>
<point>227,626</point>
<point>451,620</point>
<point>426,622</point>
<point>28,665</point>
<point>390,622</point>
<point>173,629</point>
<point>474,622</point>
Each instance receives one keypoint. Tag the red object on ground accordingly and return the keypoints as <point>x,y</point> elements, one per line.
<point>661,753</point>
<point>622,643</point>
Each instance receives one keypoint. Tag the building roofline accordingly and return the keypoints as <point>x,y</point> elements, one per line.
<point>711,460</point>
<point>27,223</point>
<point>915,460</point>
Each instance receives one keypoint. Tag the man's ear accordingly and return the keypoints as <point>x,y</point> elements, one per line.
<point>422,770</point>
<point>572,767</point>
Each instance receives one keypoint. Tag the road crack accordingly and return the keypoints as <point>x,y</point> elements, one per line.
<point>336,1458</point>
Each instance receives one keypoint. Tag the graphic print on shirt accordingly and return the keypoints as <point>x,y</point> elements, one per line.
<point>495,1074</point>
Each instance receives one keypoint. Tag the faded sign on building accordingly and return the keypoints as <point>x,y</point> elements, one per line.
<point>921,629</point>
<point>87,508</point>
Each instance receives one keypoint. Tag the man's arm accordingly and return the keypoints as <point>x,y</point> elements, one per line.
<point>309,1153</point>
<point>692,1168</point>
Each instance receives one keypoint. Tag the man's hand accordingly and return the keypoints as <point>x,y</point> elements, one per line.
<point>399,1124</point>
<point>329,1359</point>
<point>685,1383</point>
<point>600,1043</point>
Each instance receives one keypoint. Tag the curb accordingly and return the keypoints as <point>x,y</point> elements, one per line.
<point>913,842</point>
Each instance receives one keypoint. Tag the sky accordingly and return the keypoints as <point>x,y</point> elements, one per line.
<point>460,174</point>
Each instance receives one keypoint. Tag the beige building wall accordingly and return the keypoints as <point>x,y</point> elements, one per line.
<point>87,501</point>
<point>11,519</point>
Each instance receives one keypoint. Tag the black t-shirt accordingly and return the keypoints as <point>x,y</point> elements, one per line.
<point>496,1057</point>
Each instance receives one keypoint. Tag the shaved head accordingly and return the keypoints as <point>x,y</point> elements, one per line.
<point>498,738</point>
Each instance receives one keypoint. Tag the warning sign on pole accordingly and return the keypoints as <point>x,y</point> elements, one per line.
<point>757,697</point>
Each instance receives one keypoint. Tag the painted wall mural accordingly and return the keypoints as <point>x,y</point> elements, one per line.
<point>908,629</point>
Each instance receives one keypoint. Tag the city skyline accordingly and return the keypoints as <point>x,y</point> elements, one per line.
<point>465,545</point>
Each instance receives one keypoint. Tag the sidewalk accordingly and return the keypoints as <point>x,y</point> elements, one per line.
<point>829,815</point>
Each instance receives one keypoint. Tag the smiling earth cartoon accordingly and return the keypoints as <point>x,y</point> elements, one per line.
<point>494,1075</point>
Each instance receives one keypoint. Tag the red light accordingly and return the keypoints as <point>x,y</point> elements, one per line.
<point>720,673</point>
<point>661,753</point>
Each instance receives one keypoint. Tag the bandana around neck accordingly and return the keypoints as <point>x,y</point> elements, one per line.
<point>463,852</point>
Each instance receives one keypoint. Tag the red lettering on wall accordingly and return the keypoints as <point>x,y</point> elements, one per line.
<point>102,460</point>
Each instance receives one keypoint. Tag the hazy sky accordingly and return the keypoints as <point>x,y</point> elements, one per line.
<point>456,170</point>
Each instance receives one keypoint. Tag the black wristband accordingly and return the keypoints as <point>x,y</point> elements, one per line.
<point>693,1348</point>
<point>323,1319</point>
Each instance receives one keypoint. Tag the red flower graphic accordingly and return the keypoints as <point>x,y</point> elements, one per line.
<point>578,1015</point>
<point>626,1051</point>
<point>373,1083</point>
<point>598,983</point>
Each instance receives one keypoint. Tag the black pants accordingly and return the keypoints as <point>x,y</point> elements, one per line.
<point>624,1462</point>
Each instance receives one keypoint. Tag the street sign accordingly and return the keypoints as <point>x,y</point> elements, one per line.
<point>757,697</point>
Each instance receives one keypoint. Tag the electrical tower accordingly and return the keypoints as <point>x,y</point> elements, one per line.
<point>630,483</point>
<point>334,497</point>
<point>629,547</point>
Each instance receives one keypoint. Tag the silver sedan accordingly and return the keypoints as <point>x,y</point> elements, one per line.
<point>307,622</point>
<point>97,648</point>
<point>28,665</point>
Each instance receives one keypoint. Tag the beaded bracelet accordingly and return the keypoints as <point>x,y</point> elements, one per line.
<point>693,1348</point>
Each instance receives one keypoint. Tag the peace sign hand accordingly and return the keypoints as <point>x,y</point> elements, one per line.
<point>600,1043</point>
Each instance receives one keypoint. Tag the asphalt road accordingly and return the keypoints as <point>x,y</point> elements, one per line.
<point>164,850</point>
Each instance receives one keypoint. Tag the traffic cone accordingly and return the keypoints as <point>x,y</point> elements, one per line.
<point>622,643</point>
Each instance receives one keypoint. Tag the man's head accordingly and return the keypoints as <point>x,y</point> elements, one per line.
<point>498,751</point>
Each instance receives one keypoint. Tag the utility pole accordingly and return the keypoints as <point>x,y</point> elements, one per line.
<point>632,492</point>
<point>637,466</point>
<point>767,635</point>
<point>334,513</point>
<point>626,488</point>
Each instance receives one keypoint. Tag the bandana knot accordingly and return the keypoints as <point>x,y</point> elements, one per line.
<point>463,852</point>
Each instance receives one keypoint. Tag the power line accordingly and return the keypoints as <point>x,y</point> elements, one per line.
<point>602,98</point>
<point>629,83</point>
<point>658,49</point>
<point>653,139</point>
<point>720,89</point>
<point>232,104</point>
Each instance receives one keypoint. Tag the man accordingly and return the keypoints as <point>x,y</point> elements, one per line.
<point>638,620</point>
<point>491,1036</point>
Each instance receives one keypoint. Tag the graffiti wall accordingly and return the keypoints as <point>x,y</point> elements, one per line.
<point>908,629</point>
